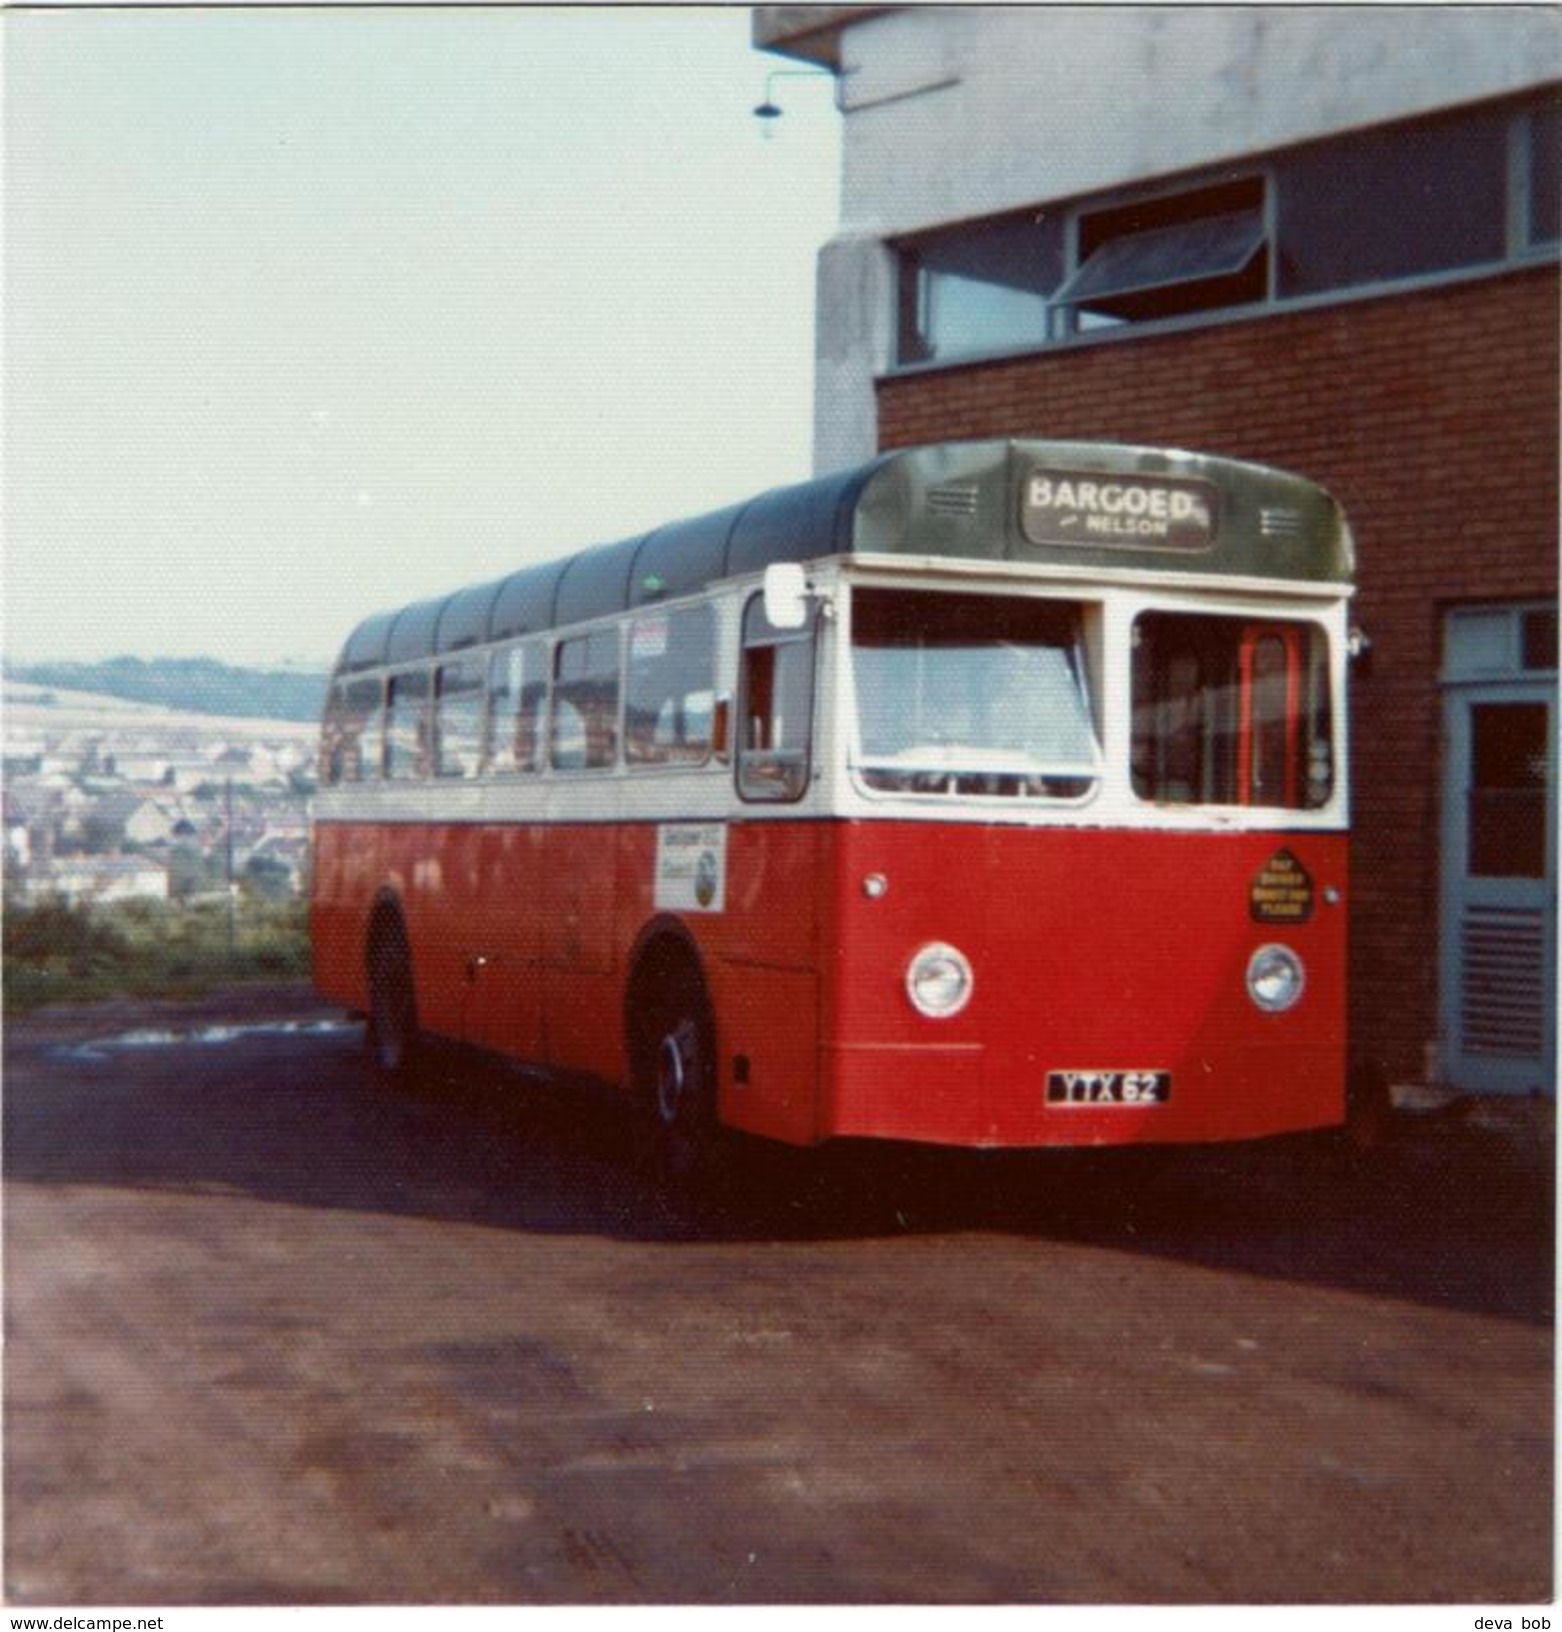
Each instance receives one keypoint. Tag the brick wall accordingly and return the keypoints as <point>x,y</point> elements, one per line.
<point>1433,418</point>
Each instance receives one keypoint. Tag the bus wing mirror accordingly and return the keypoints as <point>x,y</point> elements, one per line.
<point>786,595</point>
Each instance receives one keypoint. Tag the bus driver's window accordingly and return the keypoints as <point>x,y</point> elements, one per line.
<point>775,721</point>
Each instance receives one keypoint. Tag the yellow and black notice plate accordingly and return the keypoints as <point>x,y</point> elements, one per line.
<point>1282,893</point>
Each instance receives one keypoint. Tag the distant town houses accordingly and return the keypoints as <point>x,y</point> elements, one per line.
<point>128,816</point>
<point>91,880</point>
<point>153,812</point>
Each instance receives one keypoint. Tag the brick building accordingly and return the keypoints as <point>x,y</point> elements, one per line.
<point>1321,238</point>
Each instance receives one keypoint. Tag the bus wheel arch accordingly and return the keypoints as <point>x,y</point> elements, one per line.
<point>392,1034</point>
<point>670,1038</point>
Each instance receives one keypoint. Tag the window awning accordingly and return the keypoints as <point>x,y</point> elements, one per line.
<point>1125,275</point>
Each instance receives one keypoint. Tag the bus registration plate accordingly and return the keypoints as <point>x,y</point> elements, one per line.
<point>1108,1087</point>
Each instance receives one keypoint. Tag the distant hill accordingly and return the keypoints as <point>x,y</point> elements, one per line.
<point>199,685</point>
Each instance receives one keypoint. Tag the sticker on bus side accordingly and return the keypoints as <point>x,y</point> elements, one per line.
<point>648,639</point>
<point>691,867</point>
<point>1108,1087</point>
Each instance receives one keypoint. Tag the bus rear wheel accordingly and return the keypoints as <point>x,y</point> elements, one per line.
<point>393,1036</point>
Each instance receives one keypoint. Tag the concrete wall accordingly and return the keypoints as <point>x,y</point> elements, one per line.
<point>964,111</point>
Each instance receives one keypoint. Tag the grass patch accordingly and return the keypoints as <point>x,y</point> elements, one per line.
<point>57,953</point>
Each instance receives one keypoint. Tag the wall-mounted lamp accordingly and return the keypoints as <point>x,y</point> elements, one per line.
<point>769,109</point>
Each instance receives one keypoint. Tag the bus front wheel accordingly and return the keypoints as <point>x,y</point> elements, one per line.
<point>677,1077</point>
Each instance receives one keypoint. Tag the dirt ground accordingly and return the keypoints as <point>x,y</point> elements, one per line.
<point>277,1334</point>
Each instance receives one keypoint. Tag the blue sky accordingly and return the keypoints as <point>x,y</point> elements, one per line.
<point>309,313</point>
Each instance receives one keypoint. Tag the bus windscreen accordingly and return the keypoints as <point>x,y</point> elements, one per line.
<point>970,694</point>
<point>1231,711</point>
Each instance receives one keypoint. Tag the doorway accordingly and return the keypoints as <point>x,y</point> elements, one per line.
<point>1498,931</point>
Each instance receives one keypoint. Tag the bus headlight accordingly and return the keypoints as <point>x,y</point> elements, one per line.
<point>939,980</point>
<point>1275,978</point>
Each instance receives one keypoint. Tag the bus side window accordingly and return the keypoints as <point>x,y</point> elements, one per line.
<point>408,726</point>
<point>351,706</point>
<point>585,702</point>
<point>459,736</point>
<point>529,715</point>
<point>668,699</point>
<point>775,709</point>
<point>518,690</point>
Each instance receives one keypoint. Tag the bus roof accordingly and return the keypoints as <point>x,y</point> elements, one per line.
<point>1094,506</point>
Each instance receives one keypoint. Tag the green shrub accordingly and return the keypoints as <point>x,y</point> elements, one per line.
<point>55,952</point>
<point>55,929</point>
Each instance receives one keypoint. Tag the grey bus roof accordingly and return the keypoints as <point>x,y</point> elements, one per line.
<point>465,619</point>
<point>412,634</point>
<point>365,647</point>
<point>524,603</point>
<point>953,499</point>
<point>595,582</point>
<point>682,557</point>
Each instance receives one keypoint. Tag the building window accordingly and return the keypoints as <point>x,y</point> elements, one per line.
<point>1196,251</point>
<point>1471,189</point>
<point>984,288</point>
<point>1393,203</point>
<point>1538,639</point>
<point>1538,179</point>
<point>1506,815</point>
<point>1499,642</point>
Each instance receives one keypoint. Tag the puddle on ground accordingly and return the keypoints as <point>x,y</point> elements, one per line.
<point>102,1048</point>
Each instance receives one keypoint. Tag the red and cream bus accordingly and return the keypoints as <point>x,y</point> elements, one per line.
<point>991,794</point>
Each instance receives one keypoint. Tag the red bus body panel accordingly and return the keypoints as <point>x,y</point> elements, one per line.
<point>1093,951</point>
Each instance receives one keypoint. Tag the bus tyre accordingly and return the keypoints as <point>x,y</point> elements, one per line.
<point>678,1077</point>
<point>392,1034</point>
